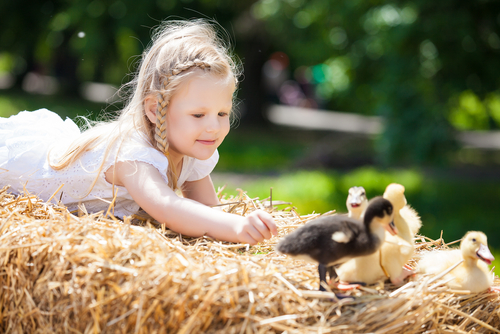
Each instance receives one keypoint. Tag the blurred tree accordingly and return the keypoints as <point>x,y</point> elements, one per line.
<point>428,66</point>
<point>410,61</point>
<point>99,40</point>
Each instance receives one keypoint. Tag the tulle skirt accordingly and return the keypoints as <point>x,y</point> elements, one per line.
<point>27,138</point>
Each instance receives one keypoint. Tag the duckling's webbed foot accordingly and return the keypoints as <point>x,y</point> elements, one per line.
<point>495,288</point>
<point>323,270</point>
<point>406,272</point>
<point>332,273</point>
<point>349,286</point>
<point>342,296</point>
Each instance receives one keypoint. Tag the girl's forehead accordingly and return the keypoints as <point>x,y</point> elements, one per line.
<point>204,79</point>
<point>204,90</point>
<point>216,78</point>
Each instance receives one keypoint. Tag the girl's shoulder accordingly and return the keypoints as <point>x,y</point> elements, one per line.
<point>136,147</point>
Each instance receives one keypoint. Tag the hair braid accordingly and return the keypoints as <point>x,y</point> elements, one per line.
<point>189,64</point>
<point>161,116</point>
<point>161,120</point>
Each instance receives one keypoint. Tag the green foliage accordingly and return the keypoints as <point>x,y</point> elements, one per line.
<point>427,66</point>
<point>470,113</point>
<point>496,262</point>
<point>399,59</point>
<point>11,103</point>
<point>375,181</point>
<point>93,40</point>
<point>6,62</point>
<point>7,108</point>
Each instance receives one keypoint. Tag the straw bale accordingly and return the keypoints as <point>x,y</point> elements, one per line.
<point>90,273</point>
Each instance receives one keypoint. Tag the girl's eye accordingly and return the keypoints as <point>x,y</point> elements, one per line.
<point>197,115</point>
<point>223,114</point>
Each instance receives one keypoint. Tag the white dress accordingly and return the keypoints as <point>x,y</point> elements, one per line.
<point>27,138</point>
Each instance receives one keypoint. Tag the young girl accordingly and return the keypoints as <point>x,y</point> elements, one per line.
<point>166,138</point>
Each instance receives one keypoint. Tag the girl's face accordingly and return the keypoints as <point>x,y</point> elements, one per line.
<point>198,116</point>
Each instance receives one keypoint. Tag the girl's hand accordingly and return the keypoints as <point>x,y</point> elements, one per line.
<point>256,227</point>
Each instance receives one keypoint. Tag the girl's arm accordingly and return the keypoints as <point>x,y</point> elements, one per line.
<point>183,215</point>
<point>201,191</point>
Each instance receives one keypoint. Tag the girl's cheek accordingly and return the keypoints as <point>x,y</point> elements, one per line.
<point>226,129</point>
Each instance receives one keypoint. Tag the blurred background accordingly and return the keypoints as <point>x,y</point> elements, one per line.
<point>335,93</point>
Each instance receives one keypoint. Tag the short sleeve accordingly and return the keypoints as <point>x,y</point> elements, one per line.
<point>202,168</point>
<point>137,149</point>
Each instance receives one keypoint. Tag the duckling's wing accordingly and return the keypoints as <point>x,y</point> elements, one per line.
<point>317,236</point>
<point>412,219</point>
<point>435,262</point>
<point>343,236</point>
<point>303,240</point>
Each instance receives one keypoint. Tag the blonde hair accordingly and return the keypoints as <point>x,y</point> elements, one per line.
<point>176,50</point>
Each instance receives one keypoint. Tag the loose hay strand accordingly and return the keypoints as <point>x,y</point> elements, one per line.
<point>63,273</point>
<point>465,315</point>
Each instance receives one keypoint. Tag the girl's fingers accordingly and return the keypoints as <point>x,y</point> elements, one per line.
<point>251,235</point>
<point>247,239</point>
<point>258,227</point>
<point>268,220</point>
<point>254,230</point>
<point>261,227</point>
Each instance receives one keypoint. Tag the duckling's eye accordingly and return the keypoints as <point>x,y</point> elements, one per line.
<point>473,239</point>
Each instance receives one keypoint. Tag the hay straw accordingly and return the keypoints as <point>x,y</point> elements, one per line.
<point>66,274</point>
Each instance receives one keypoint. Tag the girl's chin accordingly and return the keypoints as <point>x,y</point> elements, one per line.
<point>203,155</point>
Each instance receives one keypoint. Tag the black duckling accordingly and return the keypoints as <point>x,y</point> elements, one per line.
<point>332,240</point>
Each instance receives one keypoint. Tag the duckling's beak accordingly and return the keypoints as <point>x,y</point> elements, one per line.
<point>391,228</point>
<point>484,254</point>
<point>354,201</point>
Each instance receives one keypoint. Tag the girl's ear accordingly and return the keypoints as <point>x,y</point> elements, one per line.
<point>150,107</point>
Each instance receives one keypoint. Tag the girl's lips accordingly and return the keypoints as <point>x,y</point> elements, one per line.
<point>206,142</point>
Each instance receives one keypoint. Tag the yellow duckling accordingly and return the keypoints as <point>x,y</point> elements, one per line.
<point>395,252</point>
<point>473,273</point>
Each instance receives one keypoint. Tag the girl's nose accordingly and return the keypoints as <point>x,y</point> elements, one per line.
<point>213,125</point>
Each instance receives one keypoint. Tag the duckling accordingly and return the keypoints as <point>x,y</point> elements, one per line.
<point>473,273</point>
<point>331,240</point>
<point>412,223</point>
<point>356,202</point>
<point>395,252</point>
<point>408,223</point>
